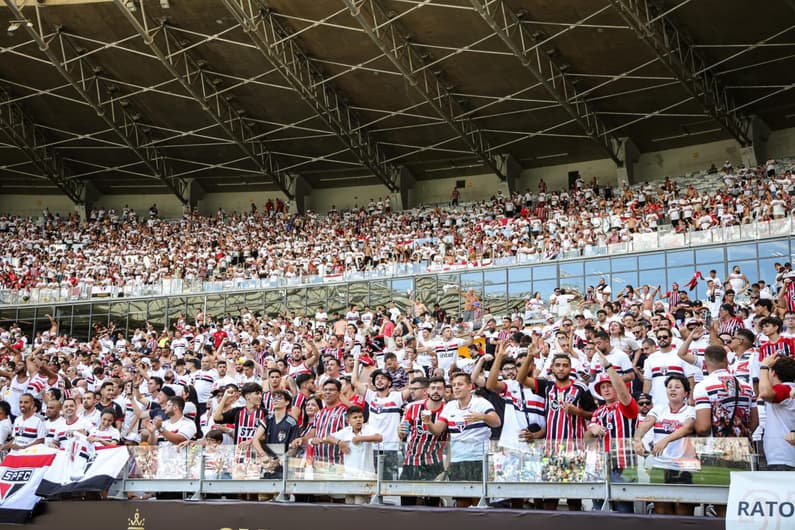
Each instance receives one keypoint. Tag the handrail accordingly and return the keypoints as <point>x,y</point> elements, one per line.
<point>541,469</point>
<point>664,238</point>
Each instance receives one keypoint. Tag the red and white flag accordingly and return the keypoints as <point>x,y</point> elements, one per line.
<point>20,475</point>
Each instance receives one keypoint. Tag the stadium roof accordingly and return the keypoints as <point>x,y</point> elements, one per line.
<point>141,96</point>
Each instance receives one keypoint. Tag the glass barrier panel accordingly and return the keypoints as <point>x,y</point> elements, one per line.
<point>326,462</point>
<point>690,460</point>
<point>548,461</point>
<point>164,462</point>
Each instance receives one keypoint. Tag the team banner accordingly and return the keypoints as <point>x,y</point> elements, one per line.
<point>20,474</point>
<point>79,466</point>
<point>761,500</point>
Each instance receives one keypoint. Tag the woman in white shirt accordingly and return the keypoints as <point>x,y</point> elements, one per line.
<point>673,453</point>
<point>106,434</point>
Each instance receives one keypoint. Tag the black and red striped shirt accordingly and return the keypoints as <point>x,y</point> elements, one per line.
<point>619,421</point>
<point>730,326</point>
<point>245,421</point>
<point>790,296</point>
<point>561,425</point>
<point>328,421</point>
<point>423,448</point>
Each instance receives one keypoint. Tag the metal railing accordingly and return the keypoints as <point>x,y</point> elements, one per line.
<point>540,469</point>
<point>664,238</point>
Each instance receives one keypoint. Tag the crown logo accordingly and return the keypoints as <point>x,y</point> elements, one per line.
<point>137,522</point>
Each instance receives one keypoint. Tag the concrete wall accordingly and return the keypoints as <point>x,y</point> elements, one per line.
<point>237,201</point>
<point>477,187</point>
<point>557,177</point>
<point>683,160</point>
<point>781,143</point>
<point>33,205</point>
<point>168,205</point>
<point>321,200</point>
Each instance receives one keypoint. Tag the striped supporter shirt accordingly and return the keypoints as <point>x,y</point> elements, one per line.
<point>328,421</point>
<point>562,426</point>
<point>423,448</point>
<point>619,421</point>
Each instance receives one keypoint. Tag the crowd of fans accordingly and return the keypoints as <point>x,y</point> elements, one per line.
<point>120,248</point>
<point>638,372</point>
<point>638,376</point>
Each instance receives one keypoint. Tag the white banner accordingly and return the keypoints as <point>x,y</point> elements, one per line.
<point>79,466</point>
<point>761,500</point>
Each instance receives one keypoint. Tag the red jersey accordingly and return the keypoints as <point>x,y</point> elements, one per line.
<point>619,421</point>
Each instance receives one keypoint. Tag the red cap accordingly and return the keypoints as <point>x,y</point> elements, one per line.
<point>603,378</point>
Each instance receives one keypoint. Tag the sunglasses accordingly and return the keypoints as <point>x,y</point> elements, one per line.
<point>644,403</point>
<point>663,336</point>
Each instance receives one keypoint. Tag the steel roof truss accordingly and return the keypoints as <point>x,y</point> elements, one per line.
<point>545,68</point>
<point>23,134</point>
<point>390,38</point>
<point>186,68</point>
<point>268,34</point>
<point>118,115</point>
<point>676,52</point>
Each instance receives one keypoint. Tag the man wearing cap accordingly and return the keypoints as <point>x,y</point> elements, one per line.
<point>614,422</point>
<point>384,406</point>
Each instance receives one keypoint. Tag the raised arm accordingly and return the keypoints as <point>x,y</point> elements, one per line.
<point>624,397</point>
<point>358,385</point>
<point>684,349</point>
<point>493,383</point>
<point>314,353</point>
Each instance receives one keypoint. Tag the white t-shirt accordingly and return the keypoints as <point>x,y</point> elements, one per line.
<point>521,405</point>
<point>658,367</point>
<point>779,420</point>
<point>182,426</point>
<point>468,440</point>
<point>359,462</point>
<point>678,453</point>
<point>111,434</point>
<point>385,416</point>
<point>446,352</point>
<point>27,431</point>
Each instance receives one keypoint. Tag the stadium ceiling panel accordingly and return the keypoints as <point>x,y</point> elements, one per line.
<point>146,95</point>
